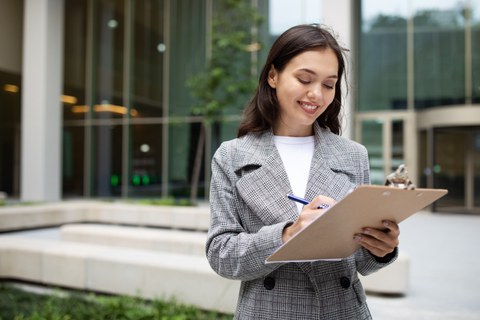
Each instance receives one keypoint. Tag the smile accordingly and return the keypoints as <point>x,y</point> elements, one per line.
<point>309,106</point>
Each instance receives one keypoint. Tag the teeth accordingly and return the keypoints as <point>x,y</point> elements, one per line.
<point>310,107</point>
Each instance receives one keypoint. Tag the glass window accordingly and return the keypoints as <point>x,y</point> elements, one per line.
<point>372,139</point>
<point>108,59</point>
<point>73,99</point>
<point>74,104</point>
<point>423,164</point>
<point>439,54</point>
<point>10,97</point>
<point>476,172</point>
<point>186,50</point>
<point>73,161</point>
<point>382,81</point>
<point>107,160</point>
<point>398,153</point>
<point>183,140</point>
<point>145,171</point>
<point>449,168</point>
<point>148,54</point>
<point>474,14</point>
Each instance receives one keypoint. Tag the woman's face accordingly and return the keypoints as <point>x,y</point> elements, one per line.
<point>305,88</point>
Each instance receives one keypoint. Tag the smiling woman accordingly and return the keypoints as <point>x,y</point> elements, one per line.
<point>289,143</point>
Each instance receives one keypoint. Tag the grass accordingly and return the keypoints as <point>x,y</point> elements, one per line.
<point>18,304</point>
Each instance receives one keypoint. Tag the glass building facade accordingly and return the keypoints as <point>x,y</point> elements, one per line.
<point>419,59</point>
<point>129,129</point>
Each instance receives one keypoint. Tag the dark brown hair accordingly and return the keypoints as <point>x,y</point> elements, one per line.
<point>262,111</point>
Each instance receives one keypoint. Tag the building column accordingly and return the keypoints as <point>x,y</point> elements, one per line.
<point>339,16</point>
<point>42,80</point>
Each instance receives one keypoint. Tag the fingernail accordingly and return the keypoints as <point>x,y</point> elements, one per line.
<point>366,230</point>
<point>386,223</point>
<point>357,238</point>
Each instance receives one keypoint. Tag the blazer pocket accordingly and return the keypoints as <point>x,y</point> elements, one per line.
<point>246,170</point>
<point>349,172</point>
<point>359,292</point>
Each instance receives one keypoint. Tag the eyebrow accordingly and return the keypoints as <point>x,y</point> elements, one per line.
<point>334,76</point>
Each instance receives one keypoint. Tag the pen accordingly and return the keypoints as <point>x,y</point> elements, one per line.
<point>304,201</point>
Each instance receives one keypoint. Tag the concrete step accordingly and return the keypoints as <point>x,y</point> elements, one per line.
<point>155,239</point>
<point>100,268</point>
<point>55,214</point>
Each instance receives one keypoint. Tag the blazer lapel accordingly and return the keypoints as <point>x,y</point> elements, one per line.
<point>327,166</point>
<point>263,183</point>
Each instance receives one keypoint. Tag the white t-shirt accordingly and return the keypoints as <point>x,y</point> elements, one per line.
<point>296,154</point>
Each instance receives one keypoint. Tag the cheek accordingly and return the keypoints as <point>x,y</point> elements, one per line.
<point>330,96</point>
<point>290,92</point>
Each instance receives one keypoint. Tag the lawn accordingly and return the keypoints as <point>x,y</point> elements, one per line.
<point>19,304</point>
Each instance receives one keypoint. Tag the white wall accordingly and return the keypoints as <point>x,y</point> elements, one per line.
<point>42,81</point>
<point>338,15</point>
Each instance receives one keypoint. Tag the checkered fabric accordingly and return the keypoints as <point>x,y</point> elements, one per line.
<point>249,210</point>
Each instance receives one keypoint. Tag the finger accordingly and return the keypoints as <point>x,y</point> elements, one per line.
<point>322,201</point>
<point>376,246</point>
<point>392,227</point>
<point>386,236</point>
<point>377,251</point>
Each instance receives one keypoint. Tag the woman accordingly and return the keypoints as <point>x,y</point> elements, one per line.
<point>288,143</point>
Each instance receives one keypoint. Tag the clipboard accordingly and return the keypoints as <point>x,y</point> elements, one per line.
<point>330,236</point>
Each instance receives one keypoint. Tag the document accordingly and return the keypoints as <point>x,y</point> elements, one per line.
<point>330,236</point>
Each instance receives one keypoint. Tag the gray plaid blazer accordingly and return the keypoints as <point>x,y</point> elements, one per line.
<point>249,210</point>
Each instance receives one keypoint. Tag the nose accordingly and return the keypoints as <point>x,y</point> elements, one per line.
<point>315,94</point>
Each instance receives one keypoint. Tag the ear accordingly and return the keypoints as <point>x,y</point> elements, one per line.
<point>272,77</point>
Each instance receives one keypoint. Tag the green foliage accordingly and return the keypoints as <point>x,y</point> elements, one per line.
<point>227,81</point>
<point>166,201</point>
<point>21,305</point>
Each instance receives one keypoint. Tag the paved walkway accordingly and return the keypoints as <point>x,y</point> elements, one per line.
<point>444,269</point>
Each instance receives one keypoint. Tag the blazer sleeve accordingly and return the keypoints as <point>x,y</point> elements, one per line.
<point>231,251</point>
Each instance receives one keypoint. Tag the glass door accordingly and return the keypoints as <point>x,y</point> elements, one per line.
<point>456,167</point>
<point>389,142</point>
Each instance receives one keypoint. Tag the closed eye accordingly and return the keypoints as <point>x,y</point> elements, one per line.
<point>303,81</point>
<point>328,86</point>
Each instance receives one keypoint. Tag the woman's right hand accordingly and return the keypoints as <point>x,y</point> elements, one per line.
<point>309,213</point>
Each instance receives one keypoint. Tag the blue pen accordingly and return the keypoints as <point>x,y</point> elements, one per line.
<point>304,201</point>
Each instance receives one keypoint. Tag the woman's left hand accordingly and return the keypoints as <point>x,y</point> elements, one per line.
<point>379,242</point>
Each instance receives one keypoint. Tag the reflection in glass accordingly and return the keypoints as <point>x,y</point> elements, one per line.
<point>474,15</point>
<point>397,144</point>
<point>73,161</point>
<point>476,171</point>
<point>109,50</point>
<point>372,140</point>
<point>74,103</point>
<point>107,160</point>
<point>449,169</point>
<point>10,102</point>
<point>148,55</point>
<point>382,57</point>
<point>145,174</point>
<point>74,107</point>
<point>187,52</point>
<point>183,139</point>
<point>439,55</point>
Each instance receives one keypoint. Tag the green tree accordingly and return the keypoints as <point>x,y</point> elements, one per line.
<point>229,78</point>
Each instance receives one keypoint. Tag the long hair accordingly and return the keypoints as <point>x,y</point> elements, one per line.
<point>262,111</point>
